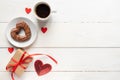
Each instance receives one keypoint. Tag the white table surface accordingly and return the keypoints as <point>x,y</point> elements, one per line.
<point>83,35</point>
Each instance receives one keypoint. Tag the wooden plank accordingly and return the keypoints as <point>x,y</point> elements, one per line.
<point>64,11</point>
<point>73,35</point>
<point>65,76</point>
<point>73,59</point>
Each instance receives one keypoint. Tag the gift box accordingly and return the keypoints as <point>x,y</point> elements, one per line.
<point>19,62</point>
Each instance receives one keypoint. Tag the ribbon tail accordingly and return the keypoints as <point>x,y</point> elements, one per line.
<point>12,76</point>
<point>40,54</point>
<point>52,59</point>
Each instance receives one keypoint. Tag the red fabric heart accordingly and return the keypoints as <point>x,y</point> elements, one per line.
<point>28,10</point>
<point>10,49</point>
<point>43,29</point>
<point>41,68</point>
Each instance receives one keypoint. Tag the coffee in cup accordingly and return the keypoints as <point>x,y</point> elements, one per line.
<point>42,11</point>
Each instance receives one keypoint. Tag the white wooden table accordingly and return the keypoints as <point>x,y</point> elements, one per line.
<point>83,35</point>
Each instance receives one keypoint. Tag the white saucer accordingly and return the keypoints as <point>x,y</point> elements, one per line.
<point>33,29</point>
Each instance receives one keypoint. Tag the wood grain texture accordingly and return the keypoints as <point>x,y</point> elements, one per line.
<point>66,76</point>
<point>65,11</point>
<point>83,35</point>
<point>73,35</point>
<point>73,59</point>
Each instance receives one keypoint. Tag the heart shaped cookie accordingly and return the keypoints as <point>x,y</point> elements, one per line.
<point>41,68</point>
<point>15,32</point>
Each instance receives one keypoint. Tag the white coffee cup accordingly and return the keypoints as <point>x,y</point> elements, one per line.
<point>42,11</point>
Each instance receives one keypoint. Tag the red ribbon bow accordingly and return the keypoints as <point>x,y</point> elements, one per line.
<point>23,61</point>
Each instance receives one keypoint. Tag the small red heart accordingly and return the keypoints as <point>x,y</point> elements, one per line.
<point>43,29</point>
<point>10,49</point>
<point>28,10</point>
<point>41,68</point>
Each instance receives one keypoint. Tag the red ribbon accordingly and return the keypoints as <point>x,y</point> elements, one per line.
<point>24,61</point>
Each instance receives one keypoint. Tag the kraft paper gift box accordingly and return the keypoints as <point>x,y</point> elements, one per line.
<point>16,59</point>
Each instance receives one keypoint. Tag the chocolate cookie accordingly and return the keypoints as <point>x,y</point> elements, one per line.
<point>15,32</point>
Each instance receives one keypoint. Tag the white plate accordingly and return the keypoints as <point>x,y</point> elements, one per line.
<point>33,29</point>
